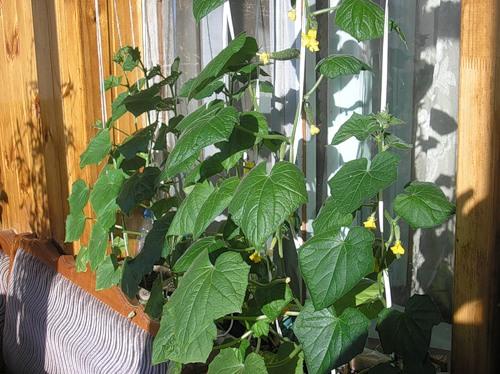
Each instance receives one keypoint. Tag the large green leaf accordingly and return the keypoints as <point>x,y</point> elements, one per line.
<point>363,19</point>
<point>205,293</point>
<point>209,244</point>
<point>230,361</point>
<point>143,101</point>
<point>264,200</point>
<point>103,196</point>
<point>238,52</point>
<point>359,126</point>
<point>75,224</point>
<point>202,8</point>
<point>99,146</point>
<point>136,268</point>
<point>139,142</point>
<point>423,205</point>
<point>408,333</point>
<point>215,204</point>
<point>329,340</point>
<point>117,107</point>
<point>108,273</point>
<point>356,181</point>
<point>198,136</point>
<point>156,300</point>
<point>138,188</point>
<point>332,264</point>
<point>98,244</point>
<point>79,196</point>
<point>329,219</point>
<point>204,113</point>
<point>186,216</point>
<point>337,65</point>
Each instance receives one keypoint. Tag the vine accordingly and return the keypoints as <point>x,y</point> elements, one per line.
<point>222,289</point>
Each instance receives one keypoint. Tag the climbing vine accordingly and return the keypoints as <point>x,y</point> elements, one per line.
<point>216,260</point>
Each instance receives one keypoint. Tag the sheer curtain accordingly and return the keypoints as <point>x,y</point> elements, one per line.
<point>423,79</point>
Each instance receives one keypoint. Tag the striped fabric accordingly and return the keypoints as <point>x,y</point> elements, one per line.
<point>4,279</point>
<point>53,326</point>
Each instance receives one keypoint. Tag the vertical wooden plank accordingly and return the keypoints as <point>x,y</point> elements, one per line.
<point>476,260</point>
<point>23,144</point>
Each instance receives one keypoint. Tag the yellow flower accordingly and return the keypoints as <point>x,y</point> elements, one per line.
<point>397,248</point>
<point>255,257</point>
<point>314,130</point>
<point>264,57</point>
<point>310,41</point>
<point>247,166</point>
<point>292,14</point>
<point>370,223</point>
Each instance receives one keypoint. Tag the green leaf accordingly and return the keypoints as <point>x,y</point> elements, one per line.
<point>363,19</point>
<point>260,327</point>
<point>79,196</point>
<point>160,207</point>
<point>117,107</point>
<point>365,296</point>
<point>128,57</point>
<point>186,216</point>
<point>103,195</point>
<point>98,148</point>
<point>209,244</point>
<point>359,126</point>
<point>408,333</point>
<point>198,136</point>
<point>82,258</point>
<point>329,340</point>
<point>205,293</point>
<point>136,268</point>
<point>156,300</point>
<point>288,360</point>
<point>137,143</point>
<point>204,113</point>
<point>356,181</point>
<point>329,219</point>
<point>230,361</point>
<point>423,205</point>
<point>143,101</point>
<point>264,200</point>
<point>215,205</point>
<point>108,273</point>
<point>213,87</point>
<point>256,123</point>
<point>393,141</point>
<point>273,299</point>
<point>75,224</point>
<point>111,82</point>
<point>238,52</point>
<point>202,8</point>
<point>337,65</point>
<point>325,258</point>
<point>98,244</point>
<point>138,188</point>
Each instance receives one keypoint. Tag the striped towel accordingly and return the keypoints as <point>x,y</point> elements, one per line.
<point>53,326</point>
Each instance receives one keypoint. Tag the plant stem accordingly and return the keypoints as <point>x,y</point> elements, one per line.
<point>271,283</point>
<point>325,10</point>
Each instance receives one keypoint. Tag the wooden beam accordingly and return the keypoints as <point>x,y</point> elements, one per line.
<point>478,225</point>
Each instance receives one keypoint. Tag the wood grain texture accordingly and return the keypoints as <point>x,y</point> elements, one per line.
<point>49,252</point>
<point>24,143</point>
<point>475,318</point>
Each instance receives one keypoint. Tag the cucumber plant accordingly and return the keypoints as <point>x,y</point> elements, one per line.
<point>214,257</point>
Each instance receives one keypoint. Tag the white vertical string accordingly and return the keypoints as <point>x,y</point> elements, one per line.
<point>104,113</point>
<point>117,20</point>
<point>300,24</point>
<point>383,107</point>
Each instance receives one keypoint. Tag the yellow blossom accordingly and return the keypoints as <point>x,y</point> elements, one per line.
<point>264,57</point>
<point>292,14</point>
<point>314,130</point>
<point>370,223</point>
<point>397,248</point>
<point>247,166</point>
<point>310,41</point>
<point>255,257</point>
